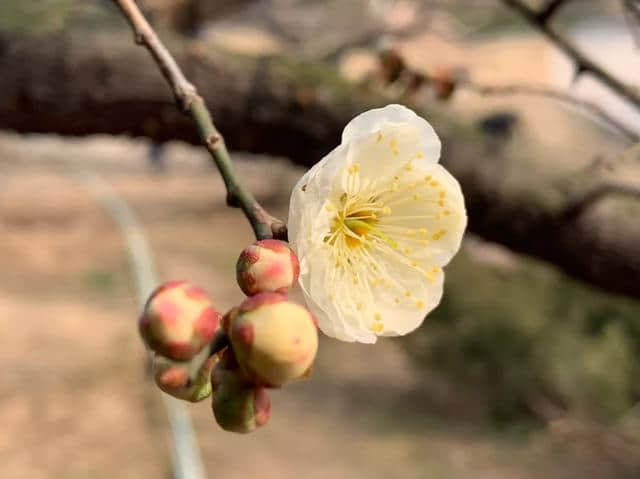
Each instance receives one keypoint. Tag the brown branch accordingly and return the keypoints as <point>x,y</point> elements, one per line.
<point>549,10</point>
<point>632,15</point>
<point>590,108</point>
<point>369,37</point>
<point>540,21</point>
<point>264,225</point>
<point>580,204</point>
<point>393,69</point>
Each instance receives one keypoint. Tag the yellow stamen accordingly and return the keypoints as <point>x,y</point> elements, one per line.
<point>377,327</point>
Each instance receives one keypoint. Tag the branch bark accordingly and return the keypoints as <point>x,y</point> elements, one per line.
<point>589,108</point>
<point>264,225</point>
<point>517,193</point>
<point>540,21</point>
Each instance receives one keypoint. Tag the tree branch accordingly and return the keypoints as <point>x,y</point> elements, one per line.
<point>393,69</point>
<point>590,108</point>
<point>549,10</point>
<point>540,20</point>
<point>264,225</point>
<point>580,204</point>
<point>516,190</point>
<point>632,14</point>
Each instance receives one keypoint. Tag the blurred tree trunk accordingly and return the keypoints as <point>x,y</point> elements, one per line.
<point>586,222</point>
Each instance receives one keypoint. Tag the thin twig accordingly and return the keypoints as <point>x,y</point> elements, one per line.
<point>415,79</point>
<point>632,15</point>
<point>264,225</point>
<point>540,20</point>
<point>592,109</point>
<point>549,10</point>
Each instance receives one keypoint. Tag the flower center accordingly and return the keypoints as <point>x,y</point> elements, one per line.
<point>358,225</point>
<point>359,228</point>
<point>379,226</point>
<point>355,222</point>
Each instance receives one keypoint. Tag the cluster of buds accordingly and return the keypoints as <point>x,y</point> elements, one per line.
<point>265,342</point>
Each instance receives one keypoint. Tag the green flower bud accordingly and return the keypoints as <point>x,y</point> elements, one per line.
<point>178,320</point>
<point>238,406</point>
<point>189,381</point>
<point>267,265</point>
<point>274,340</point>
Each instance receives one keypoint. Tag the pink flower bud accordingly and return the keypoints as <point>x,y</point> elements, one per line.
<point>274,340</point>
<point>267,265</point>
<point>178,320</point>
<point>190,381</point>
<point>237,406</point>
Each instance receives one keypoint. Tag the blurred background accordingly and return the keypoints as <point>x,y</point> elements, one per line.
<point>529,367</point>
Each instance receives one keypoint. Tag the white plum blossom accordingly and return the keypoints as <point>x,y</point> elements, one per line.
<point>373,223</point>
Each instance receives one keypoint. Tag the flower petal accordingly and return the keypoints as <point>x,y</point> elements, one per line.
<point>325,295</point>
<point>308,198</point>
<point>427,216</point>
<point>378,119</point>
<point>391,307</point>
<point>381,154</point>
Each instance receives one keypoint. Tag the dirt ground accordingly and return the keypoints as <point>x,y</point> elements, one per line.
<point>74,399</point>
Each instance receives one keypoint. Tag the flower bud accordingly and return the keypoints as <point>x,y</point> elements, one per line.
<point>443,83</point>
<point>178,320</point>
<point>238,406</point>
<point>267,265</point>
<point>190,381</point>
<point>274,340</point>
